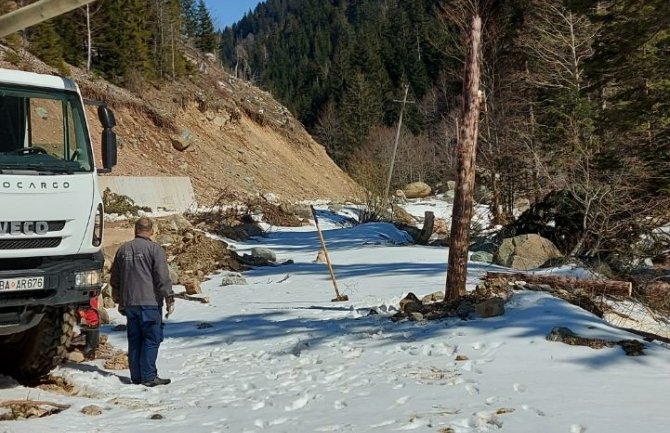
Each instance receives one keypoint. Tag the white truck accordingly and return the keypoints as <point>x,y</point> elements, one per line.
<point>51,217</point>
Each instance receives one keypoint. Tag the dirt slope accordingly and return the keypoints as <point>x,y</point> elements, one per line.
<point>240,140</point>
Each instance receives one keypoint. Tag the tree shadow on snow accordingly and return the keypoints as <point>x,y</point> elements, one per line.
<point>526,318</point>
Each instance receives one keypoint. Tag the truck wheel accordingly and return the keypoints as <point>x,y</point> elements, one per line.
<point>40,349</point>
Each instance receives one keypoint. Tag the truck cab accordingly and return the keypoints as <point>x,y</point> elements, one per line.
<point>51,217</point>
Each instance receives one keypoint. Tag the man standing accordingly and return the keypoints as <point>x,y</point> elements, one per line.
<point>140,283</point>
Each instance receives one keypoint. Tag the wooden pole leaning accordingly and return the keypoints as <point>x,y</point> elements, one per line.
<point>338,297</point>
<point>36,13</point>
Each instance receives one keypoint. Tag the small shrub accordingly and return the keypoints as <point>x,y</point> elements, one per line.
<point>121,204</point>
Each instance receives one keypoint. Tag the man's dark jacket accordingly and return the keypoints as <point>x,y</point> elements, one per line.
<point>140,275</point>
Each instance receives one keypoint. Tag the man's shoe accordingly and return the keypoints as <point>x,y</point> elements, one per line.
<point>156,381</point>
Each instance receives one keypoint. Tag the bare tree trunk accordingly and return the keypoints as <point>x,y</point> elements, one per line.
<point>174,74</point>
<point>89,39</point>
<point>465,180</point>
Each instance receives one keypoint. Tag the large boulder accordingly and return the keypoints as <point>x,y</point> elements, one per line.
<point>182,141</point>
<point>525,252</point>
<point>416,190</point>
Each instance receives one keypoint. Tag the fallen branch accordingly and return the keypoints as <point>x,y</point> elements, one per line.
<point>571,284</point>
<point>567,336</point>
<point>197,298</point>
<point>9,403</point>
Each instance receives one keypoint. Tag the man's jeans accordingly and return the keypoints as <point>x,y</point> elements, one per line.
<point>145,333</point>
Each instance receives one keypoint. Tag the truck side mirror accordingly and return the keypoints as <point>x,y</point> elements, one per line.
<point>108,122</point>
<point>106,117</point>
<point>108,148</point>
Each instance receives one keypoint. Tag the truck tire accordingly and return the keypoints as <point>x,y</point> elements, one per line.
<point>41,348</point>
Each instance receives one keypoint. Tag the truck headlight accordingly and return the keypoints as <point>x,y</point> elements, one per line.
<point>87,279</point>
<point>97,229</point>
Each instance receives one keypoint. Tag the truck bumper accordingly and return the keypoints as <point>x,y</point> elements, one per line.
<point>22,309</point>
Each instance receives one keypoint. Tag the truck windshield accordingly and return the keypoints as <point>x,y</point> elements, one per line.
<point>42,131</point>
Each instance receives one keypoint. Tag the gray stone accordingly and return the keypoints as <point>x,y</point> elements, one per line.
<point>192,287</point>
<point>165,239</point>
<point>433,297</point>
<point>415,317</point>
<point>482,257</point>
<point>264,253</point>
<point>174,273</point>
<point>92,410</point>
<point>491,308</point>
<point>401,215</point>
<point>300,210</point>
<point>182,141</point>
<point>410,304</point>
<point>525,252</point>
<point>233,279</point>
<point>76,356</point>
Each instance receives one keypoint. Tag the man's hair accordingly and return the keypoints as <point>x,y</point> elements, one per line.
<point>144,225</point>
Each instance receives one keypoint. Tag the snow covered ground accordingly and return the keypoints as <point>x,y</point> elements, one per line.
<point>281,357</point>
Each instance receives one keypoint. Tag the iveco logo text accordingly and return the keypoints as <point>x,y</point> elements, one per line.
<point>23,227</point>
<point>36,185</point>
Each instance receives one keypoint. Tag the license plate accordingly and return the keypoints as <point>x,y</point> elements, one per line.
<point>24,283</point>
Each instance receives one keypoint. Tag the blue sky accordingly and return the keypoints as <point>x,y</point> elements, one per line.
<point>227,12</point>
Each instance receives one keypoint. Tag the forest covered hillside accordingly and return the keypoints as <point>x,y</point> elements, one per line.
<point>178,112</point>
<point>575,98</point>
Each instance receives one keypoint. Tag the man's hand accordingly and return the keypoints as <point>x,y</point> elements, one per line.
<point>169,306</point>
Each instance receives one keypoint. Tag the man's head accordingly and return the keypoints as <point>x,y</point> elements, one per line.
<point>144,227</point>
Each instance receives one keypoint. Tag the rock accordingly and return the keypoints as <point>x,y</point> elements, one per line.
<point>182,141</point>
<point>119,328</point>
<point>302,211</point>
<point>173,224</point>
<point>416,190</point>
<point>156,416</point>
<point>482,257</point>
<point>441,226</point>
<point>76,356</point>
<point>464,309</point>
<point>491,308</point>
<point>174,274</point>
<point>204,325</point>
<point>416,317</point>
<point>271,198</point>
<point>92,410</point>
<point>233,279</point>
<point>433,297</point>
<point>410,304</point>
<point>525,252</point>
<point>521,205</point>
<point>462,358</point>
<point>401,215</point>
<point>264,253</point>
<point>118,361</point>
<point>192,287</point>
<point>164,239</point>
<point>400,196</point>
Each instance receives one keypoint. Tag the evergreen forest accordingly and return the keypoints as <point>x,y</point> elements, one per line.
<point>575,116</point>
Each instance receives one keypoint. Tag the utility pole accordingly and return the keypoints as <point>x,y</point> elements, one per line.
<point>395,147</point>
